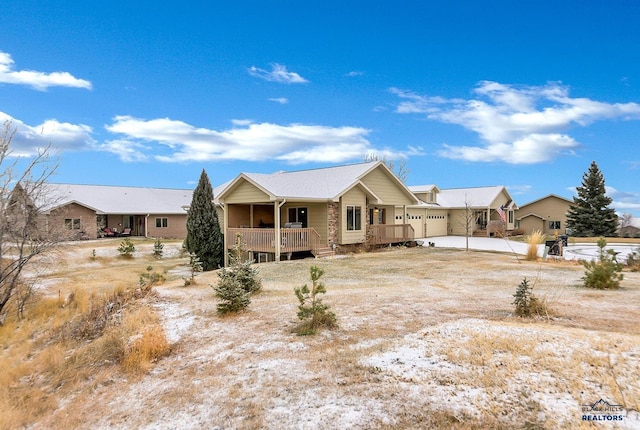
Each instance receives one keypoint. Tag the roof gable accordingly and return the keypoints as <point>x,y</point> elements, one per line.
<point>327,183</point>
<point>475,197</point>
<point>548,196</point>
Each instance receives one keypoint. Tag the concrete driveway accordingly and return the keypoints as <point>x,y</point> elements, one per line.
<point>582,251</point>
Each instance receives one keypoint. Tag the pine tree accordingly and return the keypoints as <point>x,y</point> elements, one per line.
<point>591,215</point>
<point>204,237</point>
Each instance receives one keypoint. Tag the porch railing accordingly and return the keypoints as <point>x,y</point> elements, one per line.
<point>263,239</point>
<point>382,234</point>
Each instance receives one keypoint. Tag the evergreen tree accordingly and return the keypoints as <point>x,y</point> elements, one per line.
<point>591,215</point>
<point>204,237</point>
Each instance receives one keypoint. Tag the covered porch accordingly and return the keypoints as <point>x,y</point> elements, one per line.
<point>264,239</point>
<point>277,228</point>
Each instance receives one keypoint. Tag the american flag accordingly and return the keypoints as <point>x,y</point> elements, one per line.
<point>500,211</point>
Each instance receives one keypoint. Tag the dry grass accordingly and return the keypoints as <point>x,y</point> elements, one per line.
<point>427,339</point>
<point>533,240</point>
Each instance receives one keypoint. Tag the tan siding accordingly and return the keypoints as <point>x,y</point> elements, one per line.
<point>87,217</point>
<point>531,223</point>
<point>354,197</point>
<point>246,192</point>
<point>551,209</point>
<point>176,227</point>
<point>386,188</point>
<point>457,224</point>
<point>316,217</point>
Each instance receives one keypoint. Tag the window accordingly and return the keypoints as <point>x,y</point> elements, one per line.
<point>72,223</point>
<point>554,225</point>
<point>162,222</point>
<point>298,215</point>
<point>354,218</point>
<point>510,214</point>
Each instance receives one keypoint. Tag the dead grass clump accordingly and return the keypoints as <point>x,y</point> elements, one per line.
<point>145,349</point>
<point>533,240</point>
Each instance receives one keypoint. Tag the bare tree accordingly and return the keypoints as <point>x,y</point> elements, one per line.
<point>468,220</point>
<point>23,234</point>
<point>626,220</point>
<point>400,169</point>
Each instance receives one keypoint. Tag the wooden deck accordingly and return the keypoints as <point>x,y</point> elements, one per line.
<point>384,234</point>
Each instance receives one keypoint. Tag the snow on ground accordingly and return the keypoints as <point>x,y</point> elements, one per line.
<point>574,251</point>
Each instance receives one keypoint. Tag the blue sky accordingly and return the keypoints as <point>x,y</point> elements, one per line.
<point>523,94</point>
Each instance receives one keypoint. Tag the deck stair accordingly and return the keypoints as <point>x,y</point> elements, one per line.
<point>323,252</point>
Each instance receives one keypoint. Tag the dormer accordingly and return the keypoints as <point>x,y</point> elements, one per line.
<point>426,193</point>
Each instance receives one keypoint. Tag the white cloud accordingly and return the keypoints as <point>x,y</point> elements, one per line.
<point>281,100</point>
<point>278,73</point>
<point>37,80</point>
<point>128,151</point>
<point>516,124</point>
<point>294,143</point>
<point>354,73</point>
<point>623,201</point>
<point>28,140</point>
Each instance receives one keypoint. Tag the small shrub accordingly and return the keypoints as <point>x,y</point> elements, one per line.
<point>237,282</point>
<point>533,240</point>
<point>150,278</point>
<point>527,304</point>
<point>242,269</point>
<point>196,267</point>
<point>233,298</point>
<point>313,313</point>
<point>93,254</point>
<point>126,248</point>
<point>633,260</point>
<point>604,273</point>
<point>157,248</point>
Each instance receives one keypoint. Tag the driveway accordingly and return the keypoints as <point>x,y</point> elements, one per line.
<point>579,251</point>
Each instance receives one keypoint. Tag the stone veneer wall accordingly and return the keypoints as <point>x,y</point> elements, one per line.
<point>332,223</point>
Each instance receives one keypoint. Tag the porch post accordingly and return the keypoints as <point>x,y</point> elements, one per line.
<point>488,220</point>
<point>251,215</point>
<point>276,228</point>
<point>225,226</point>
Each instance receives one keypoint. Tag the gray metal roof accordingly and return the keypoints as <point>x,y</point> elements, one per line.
<point>323,184</point>
<point>106,199</point>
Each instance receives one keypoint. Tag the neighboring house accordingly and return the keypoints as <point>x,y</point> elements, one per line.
<point>632,229</point>
<point>485,211</point>
<point>315,210</point>
<point>88,209</point>
<point>547,214</point>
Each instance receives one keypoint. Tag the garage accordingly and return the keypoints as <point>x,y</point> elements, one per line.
<point>436,223</point>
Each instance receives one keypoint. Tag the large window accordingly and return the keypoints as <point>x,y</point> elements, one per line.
<point>354,218</point>
<point>554,225</point>
<point>162,222</point>
<point>72,223</point>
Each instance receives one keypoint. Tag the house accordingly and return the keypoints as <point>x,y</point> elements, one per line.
<point>88,209</point>
<point>547,214</point>
<point>483,211</point>
<point>631,228</point>
<point>315,210</point>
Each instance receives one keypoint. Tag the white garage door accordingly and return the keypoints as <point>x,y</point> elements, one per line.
<point>436,225</point>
